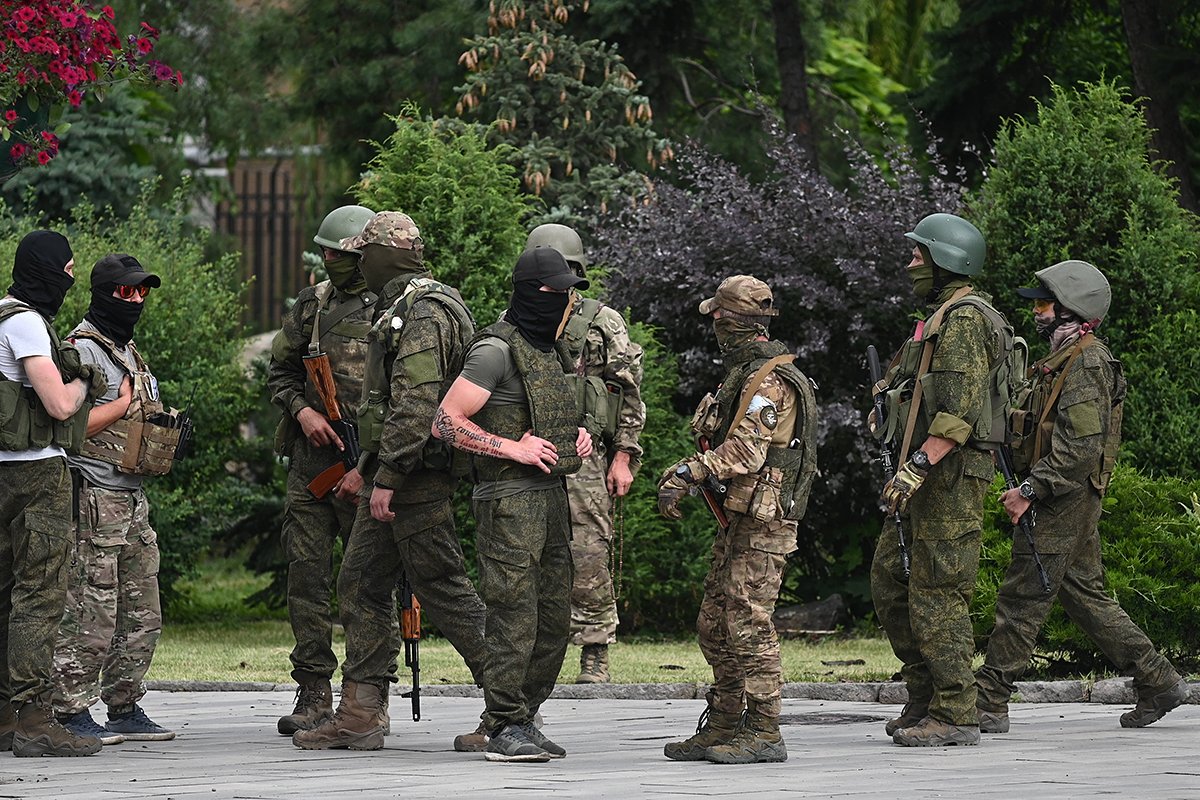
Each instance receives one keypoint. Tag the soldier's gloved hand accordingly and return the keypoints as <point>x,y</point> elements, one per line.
<point>674,484</point>
<point>873,423</point>
<point>96,380</point>
<point>903,485</point>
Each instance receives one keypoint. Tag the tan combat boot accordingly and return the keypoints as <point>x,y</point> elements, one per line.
<point>911,714</point>
<point>757,741</point>
<point>992,721</point>
<point>314,705</point>
<point>714,728</point>
<point>931,732</point>
<point>355,724</point>
<point>385,721</point>
<point>8,723</point>
<point>38,733</point>
<point>474,742</point>
<point>593,664</point>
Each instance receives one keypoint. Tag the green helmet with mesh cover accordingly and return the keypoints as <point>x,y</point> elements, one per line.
<point>1079,287</point>
<point>342,223</point>
<point>953,244</point>
<point>561,238</point>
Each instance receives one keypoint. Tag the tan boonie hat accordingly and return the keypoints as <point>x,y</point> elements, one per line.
<point>390,229</point>
<point>742,294</point>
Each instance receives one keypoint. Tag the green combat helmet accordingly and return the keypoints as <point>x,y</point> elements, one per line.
<point>342,223</point>
<point>1080,288</point>
<point>563,239</point>
<point>954,244</point>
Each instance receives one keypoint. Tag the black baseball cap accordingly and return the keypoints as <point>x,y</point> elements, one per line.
<point>547,266</point>
<point>124,270</point>
<point>1036,293</point>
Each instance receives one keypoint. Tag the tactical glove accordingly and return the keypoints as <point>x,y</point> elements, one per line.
<point>96,380</point>
<point>671,489</point>
<point>903,485</point>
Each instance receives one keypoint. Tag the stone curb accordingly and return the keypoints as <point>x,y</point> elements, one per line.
<point>1114,691</point>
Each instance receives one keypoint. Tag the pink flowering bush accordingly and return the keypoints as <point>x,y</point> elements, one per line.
<point>62,51</point>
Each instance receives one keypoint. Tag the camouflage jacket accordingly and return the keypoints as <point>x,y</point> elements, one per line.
<point>1084,425</point>
<point>287,380</point>
<point>604,350</point>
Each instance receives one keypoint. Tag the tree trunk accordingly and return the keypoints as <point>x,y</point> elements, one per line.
<point>793,80</point>
<point>1143,33</point>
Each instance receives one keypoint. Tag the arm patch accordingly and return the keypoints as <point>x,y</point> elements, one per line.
<point>422,367</point>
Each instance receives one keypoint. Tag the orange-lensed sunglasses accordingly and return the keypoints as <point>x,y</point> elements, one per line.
<point>128,292</point>
<point>1043,304</point>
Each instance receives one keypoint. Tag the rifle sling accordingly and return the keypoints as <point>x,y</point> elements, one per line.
<point>756,381</point>
<point>1086,341</point>
<point>344,310</point>
<point>930,331</point>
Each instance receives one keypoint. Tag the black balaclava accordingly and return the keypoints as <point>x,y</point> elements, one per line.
<point>538,315</point>
<point>38,277</point>
<point>113,316</point>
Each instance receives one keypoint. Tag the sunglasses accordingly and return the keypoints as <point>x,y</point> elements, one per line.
<point>1043,304</point>
<point>128,292</point>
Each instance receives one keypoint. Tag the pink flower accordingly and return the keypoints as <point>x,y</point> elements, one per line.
<point>44,157</point>
<point>163,72</point>
<point>25,14</point>
<point>108,11</point>
<point>48,136</point>
<point>75,97</point>
<point>150,30</point>
<point>17,151</point>
<point>144,45</point>
<point>10,115</point>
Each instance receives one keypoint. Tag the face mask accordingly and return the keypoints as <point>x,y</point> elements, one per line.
<point>922,280</point>
<point>733,333</point>
<point>343,271</point>
<point>38,277</point>
<point>379,264</point>
<point>112,316</point>
<point>539,316</point>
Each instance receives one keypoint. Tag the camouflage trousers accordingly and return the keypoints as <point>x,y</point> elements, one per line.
<point>311,527</point>
<point>113,618</point>
<point>1068,542</point>
<point>927,616</point>
<point>737,635</point>
<point>35,548</point>
<point>525,581</point>
<point>593,604</point>
<point>423,543</point>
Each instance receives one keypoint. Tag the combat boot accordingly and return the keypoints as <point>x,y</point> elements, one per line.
<point>355,724</point>
<point>385,721</point>
<point>593,664</point>
<point>757,741</point>
<point>714,728</point>
<point>1153,706</point>
<point>931,732</point>
<point>911,714</point>
<point>992,721</point>
<point>474,742</point>
<point>314,705</point>
<point>8,723</point>
<point>38,733</point>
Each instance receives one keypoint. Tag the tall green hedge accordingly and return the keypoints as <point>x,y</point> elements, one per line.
<point>190,334</point>
<point>1150,541</point>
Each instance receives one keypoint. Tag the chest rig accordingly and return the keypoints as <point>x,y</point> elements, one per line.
<point>597,400</point>
<point>339,328</point>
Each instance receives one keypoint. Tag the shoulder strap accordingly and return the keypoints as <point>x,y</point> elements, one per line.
<point>337,315</point>
<point>1086,341</point>
<point>17,307</point>
<point>930,330</point>
<point>756,380</point>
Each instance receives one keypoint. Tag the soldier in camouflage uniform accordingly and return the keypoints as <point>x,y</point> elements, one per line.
<point>44,384</point>
<point>113,618</point>
<point>513,409</point>
<point>597,341</point>
<point>1066,460</point>
<point>332,317</point>
<point>415,347</point>
<point>758,434</point>
<point>938,491</point>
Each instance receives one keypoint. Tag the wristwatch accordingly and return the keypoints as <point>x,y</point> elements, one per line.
<point>920,460</point>
<point>685,472</point>
<point>1026,490</point>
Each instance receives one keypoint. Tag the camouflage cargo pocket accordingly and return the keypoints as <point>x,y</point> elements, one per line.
<point>105,516</point>
<point>740,493</point>
<point>100,564</point>
<point>767,505</point>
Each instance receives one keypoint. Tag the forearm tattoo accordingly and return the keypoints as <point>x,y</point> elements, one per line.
<point>467,436</point>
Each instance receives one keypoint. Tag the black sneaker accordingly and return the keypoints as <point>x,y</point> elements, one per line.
<point>82,724</point>
<point>135,726</point>
<point>537,737</point>
<point>511,744</point>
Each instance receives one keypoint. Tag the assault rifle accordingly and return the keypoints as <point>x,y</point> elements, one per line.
<point>889,468</point>
<point>410,632</point>
<point>321,375</point>
<point>713,491</point>
<point>1026,522</point>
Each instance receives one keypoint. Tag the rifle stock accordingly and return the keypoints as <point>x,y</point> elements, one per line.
<point>1026,522</point>
<point>713,492</point>
<point>410,632</point>
<point>324,482</point>
<point>320,373</point>
<point>889,468</point>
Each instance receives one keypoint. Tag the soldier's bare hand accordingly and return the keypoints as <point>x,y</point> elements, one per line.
<point>583,443</point>
<point>620,477</point>
<point>381,504</point>
<point>317,429</point>
<point>535,451</point>
<point>349,486</point>
<point>1014,504</point>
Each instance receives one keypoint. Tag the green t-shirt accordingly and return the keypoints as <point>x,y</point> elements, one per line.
<point>489,365</point>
